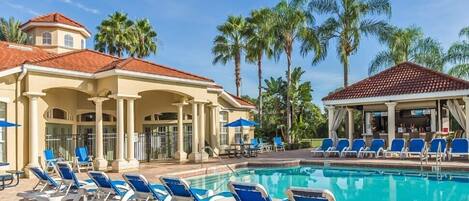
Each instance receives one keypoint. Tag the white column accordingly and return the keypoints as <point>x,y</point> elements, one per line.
<point>133,163</point>
<point>120,164</point>
<point>195,130</point>
<point>330,118</point>
<point>180,154</point>
<point>99,162</point>
<point>214,137</point>
<point>350,124</point>
<point>33,128</point>
<point>466,109</point>
<point>391,121</point>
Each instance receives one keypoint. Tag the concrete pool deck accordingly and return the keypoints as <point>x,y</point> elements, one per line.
<point>278,159</point>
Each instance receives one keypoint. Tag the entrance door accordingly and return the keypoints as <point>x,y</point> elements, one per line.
<point>59,138</point>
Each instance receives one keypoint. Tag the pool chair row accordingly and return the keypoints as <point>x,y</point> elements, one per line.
<point>343,148</point>
<point>82,160</point>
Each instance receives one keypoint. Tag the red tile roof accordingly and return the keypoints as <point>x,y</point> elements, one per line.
<point>404,78</point>
<point>55,18</point>
<point>242,101</point>
<point>12,54</point>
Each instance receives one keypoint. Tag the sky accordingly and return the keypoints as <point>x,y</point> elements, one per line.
<point>186,29</point>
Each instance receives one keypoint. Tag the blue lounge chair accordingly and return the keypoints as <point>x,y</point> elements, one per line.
<point>302,194</point>
<point>254,148</point>
<point>459,147</point>
<point>416,147</point>
<point>397,147</point>
<point>376,148</point>
<point>109,188</point>
<point>50,159</point>
<point>278,144</point>
<point>70,180</point>
<point>325,146</point>
<point>179,189</point>
<point>248,191</point>
<point>357,146</point>
<point>82,159</point>
<point>341,146</point>
<point>46,185</point>
<point>143,190</point>
<point>434,145</point>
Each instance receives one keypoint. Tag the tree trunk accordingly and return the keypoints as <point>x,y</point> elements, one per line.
<point>346,69</point>
<point>259,97</point>
<point>289,109</point>
<point>238,74</point>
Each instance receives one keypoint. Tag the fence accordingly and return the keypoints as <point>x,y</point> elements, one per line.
<point>64,145</point>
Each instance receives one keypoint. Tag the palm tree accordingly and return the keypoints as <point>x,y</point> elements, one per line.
<point>259,43</point>
<point>350,20</point>
<point>291,26</point>
<point>407,44</point>
<point>143,39</point>
<point>10,31</point>
<point>458,56</point>
<point>230,44</point>
<point>113,34</point>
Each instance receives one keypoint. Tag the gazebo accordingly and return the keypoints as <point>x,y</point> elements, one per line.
<point>402,101</point>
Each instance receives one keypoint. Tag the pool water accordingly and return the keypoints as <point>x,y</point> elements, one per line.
<point>350,184</point>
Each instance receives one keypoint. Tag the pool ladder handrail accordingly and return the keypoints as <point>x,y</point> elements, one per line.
<point>202,150</point>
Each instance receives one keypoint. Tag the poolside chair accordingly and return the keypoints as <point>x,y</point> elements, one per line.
<point>248,191</point>
<point>325,146</point>
<point>255,147</point>
<point>179,189</point>
<point>341,146</point>
<point>50,159</point>
<point>82,159</point>
<point>71,182</point>
<point>459,147</point>
<point>357,146</point>
<point>303,194</point>
<point>376,148</point>
<point>278,144</point>
<point>397,147</point>
<point>416,147</point>
<point>143,190</point>
<point>46,185</point>
<point>434,145</point>
<point>109,188</point>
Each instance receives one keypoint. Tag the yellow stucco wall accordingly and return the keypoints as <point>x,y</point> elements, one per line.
<point>57,38</point>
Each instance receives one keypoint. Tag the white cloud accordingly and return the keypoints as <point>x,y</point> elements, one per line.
<point>22,8</point>
<point>81,6</point>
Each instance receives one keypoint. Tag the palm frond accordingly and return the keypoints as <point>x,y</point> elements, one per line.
<point>381,61</point>
<point>460,71</point>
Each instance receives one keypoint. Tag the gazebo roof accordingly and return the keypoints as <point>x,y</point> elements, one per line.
<point>403,81</point>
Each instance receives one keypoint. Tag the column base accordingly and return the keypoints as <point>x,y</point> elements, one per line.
<point>100,164</point>
<point>198,157</point>
<point>181,156</point>
<point>28,173</point>
<point>120,165</point>
<point>133,164</point>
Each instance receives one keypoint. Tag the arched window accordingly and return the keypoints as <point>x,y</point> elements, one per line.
<point>91,117</point>
<point>68,40</point>
<point>46,38</point>
<point>59,114</point>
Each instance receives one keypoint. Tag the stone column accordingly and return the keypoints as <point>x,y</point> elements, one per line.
<point>391,121</point>
<point>214,138</point>
<point>195,130</point>
<point>203,152</point>
<point>466,109</point>
<point>120,164</point>
<point>180,154</point>
<point>330,118</point>
<point>133,163</point>
<point>350,124</point>
<point>33,127</point>
<point>99,162</point>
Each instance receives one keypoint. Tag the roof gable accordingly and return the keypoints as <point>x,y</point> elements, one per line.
<point>55,18</point>
<point>402,79</point>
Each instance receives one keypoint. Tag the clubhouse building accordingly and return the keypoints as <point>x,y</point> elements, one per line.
<point>124,110</point>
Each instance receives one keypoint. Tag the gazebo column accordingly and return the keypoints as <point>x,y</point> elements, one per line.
<point>466,110</point>
<point>99,162</point>
<point>180,154</point>
<point>119,163</point>
<point>195,130</point>
<point>203,153</point>
<point>133,163</point>
<point>330,118</point>
<point>214,130</point>
<point>391,121</point>
<point>350,124</point>
<point>33,127</point>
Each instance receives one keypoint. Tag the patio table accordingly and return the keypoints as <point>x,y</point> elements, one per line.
<point>8,178</point>
<point>242,148</point>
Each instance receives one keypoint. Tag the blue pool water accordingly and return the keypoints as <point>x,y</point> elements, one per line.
<point>350,184</point>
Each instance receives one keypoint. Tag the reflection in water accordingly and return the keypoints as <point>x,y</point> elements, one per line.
<point>350,184</point>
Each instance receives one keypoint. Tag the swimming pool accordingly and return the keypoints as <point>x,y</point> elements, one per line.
<point>351,184</point>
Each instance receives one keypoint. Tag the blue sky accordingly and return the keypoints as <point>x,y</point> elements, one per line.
<point>186,29</point>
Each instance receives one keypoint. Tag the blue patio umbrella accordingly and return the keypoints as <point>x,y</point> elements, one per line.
<point>241,122</point>
<point>7,124</point>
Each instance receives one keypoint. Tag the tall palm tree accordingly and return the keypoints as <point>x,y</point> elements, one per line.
<point>348,21</point>
<point>291,25</point>
<point>113,34</point>
<point>230,44</point>
<point>407,44</point>
<point>10,31</point>
<point>458,56</point>
<point>142,39</point>
<point>259,43</point>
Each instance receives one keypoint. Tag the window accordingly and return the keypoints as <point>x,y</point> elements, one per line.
<point>223,129</point>
<point>46,38</point>
<point>168,116</point>
<point>238,134</point>
<point>68,40</point>
<point>91,117</point>
<point>3,147</point>
<point>59,114</point>
<point>83,44</point>
<point>147,118</point>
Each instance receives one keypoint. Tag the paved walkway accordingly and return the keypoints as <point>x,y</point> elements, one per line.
<point>155,169</point>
